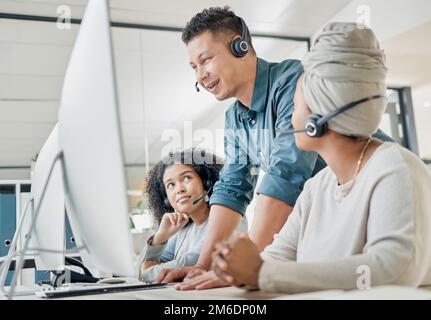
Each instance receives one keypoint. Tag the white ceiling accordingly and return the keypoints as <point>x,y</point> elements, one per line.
<point>155,82</point>
<point>285,17</point>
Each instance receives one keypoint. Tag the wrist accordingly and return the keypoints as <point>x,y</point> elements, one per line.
<point>203,262</point>
<point>200,266</point>
<point>254,279</point>
<point>159,238</point>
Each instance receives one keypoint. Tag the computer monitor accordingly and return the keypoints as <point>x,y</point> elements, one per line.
<point>49,228</point>
<point>89,136</point>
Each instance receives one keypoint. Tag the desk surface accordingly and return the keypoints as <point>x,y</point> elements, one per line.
<point>232,293</point>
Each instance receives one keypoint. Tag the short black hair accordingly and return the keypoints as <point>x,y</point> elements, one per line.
<point>206,165</point>
<point>216,20</point>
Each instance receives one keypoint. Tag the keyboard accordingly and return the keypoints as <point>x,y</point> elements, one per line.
<point>97,288</point>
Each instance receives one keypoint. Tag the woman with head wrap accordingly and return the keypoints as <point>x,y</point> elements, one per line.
<point>365,219</point>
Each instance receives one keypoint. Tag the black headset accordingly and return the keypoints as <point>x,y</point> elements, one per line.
<point>239,46</point>
<point>317,125</point>
<point>207,181</point>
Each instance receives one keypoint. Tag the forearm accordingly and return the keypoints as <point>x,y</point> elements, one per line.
<point>156,252</point>
<point>159,239</point>
<point>270,215</point>
<point>354,272</point>
<point>221,224</point>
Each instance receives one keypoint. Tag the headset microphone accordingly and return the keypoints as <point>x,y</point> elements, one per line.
<point>196,86</point>
<point>297,131</point>
<point>204,196</point>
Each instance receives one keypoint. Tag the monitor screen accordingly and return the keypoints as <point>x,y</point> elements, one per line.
<point>89,136</point>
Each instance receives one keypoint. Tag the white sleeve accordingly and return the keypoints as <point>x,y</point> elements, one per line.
<point>388,255</point>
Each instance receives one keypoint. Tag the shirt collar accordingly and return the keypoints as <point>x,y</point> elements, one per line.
<point>260,91</point>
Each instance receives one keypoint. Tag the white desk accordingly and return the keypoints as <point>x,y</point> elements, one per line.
<point>232,293</point>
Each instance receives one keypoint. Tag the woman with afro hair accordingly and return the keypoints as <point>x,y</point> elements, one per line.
<point>178,189</point>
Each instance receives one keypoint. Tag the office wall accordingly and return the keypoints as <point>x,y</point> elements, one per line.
<point>421,96</point>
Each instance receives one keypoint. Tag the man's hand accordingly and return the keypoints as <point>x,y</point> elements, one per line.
<point>206,280</point>
<point>238,261</point>
<point>197,270</point>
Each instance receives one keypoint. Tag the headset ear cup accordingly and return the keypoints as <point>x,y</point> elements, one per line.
<point>239,47</point>
<point>206,177</point>
<point>207,183</point>
<point>316,130</point>
<point>242,47</point>
<point>323,129</point>
<point>234,46</point>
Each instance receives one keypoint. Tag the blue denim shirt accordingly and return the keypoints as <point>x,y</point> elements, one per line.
<point>256,138</point>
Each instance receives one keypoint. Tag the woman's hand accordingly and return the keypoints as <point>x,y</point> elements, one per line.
<point>171,223</point>
<point>237,261</point>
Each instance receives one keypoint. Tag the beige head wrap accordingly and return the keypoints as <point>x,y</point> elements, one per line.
<point>344,65</point>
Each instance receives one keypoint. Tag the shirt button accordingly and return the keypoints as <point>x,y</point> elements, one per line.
<point>253,121</point>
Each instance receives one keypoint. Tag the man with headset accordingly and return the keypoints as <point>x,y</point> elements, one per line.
<point>257,135</point>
